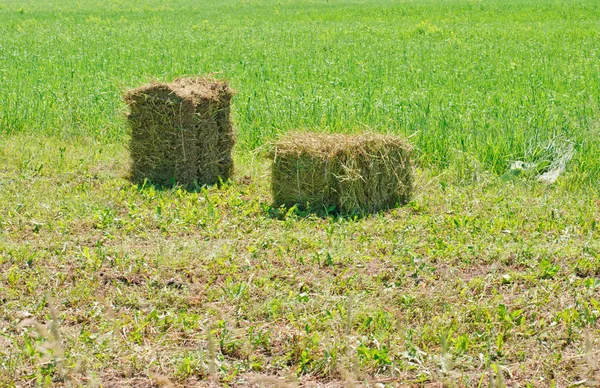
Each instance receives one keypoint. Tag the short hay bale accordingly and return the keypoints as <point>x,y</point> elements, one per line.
<point>353,174</point>
<point>181,132</point>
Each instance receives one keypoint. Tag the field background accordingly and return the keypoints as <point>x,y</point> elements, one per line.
<point>485,276</point>
<point>497,80</point>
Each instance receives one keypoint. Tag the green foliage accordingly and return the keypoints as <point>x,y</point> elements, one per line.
<point>220,288</point>
<point>547,270</point>
<point>475,85</point>
<point>476,277</point>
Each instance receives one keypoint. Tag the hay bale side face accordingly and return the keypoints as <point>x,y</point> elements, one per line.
<point>301,173</point>
<point>301,179</point>
<point>207,131</point>
<point>375,174</point>
<point>214,130</point>
<point>181,132</point>
<point>225,129</point>
<point>163,144</point>
<point>355,174</point>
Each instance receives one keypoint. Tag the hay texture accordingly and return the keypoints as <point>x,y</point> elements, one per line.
<point>181,132</point>
<point>350,174</point>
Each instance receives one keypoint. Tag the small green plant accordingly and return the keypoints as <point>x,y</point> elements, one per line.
<point>547,269</point>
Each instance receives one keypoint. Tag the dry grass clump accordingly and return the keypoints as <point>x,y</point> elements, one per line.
<point>352,174</point>
<point>181,132</point>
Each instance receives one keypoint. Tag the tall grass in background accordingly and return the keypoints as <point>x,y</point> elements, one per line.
<point>486,81</point>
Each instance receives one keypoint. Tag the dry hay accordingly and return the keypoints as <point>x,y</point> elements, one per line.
<point>353,174</point>
<point>181,132</point>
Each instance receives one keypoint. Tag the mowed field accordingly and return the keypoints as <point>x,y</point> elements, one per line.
<point>486,278</point>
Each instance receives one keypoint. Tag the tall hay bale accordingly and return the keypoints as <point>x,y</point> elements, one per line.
<point>181,132</point>
<point>356,174</point>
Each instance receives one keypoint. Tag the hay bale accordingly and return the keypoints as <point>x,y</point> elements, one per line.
<point>356,174</point>
<point>181,132</point>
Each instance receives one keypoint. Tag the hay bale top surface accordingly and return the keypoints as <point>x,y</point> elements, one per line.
<point>194,89</point>
<point>327,145</point>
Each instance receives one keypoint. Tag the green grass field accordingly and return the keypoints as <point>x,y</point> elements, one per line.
<point>487,278</point>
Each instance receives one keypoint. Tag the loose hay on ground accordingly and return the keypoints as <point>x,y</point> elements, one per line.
<point>181,132</point>
<point>353,174</point>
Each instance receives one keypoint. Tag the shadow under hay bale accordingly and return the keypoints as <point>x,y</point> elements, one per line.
<point>181,132</point>
<point>349,174</point>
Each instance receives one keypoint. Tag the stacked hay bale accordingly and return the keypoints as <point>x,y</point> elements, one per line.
<point>181,132</point>
<point>352,174</point>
